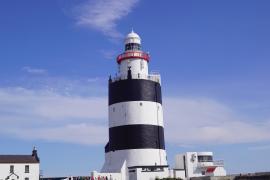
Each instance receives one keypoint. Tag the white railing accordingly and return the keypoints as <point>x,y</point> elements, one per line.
<point>153,77</point>
<point>219,163</point>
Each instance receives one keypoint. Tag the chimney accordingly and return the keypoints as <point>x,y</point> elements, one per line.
<point>35,154</point>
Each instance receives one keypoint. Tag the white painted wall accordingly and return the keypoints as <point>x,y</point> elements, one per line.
<point>19,169</point>
<point>138,66</point>
<point>135,112</point>
<point>140,175</point>
<point>220,171</point>
<point>191,164</point>
<point>179,174</point>
<point>133,174</point>
<point>122,174</point>
<point>134,157</point>
<point>179,161</point>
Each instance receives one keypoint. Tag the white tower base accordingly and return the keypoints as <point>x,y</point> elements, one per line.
<point>135,173</point>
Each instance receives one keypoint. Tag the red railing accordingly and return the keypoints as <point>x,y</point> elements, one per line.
<point>133,54</point>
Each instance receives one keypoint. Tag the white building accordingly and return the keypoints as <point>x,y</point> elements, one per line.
<point>197,164</point>
<point>19,167</point>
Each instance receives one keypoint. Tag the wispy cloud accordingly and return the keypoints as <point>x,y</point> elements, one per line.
<point>108,54</point>
<point>80,133</point>
<point>31,114</point>
<point>68,86</point>
<point>52,106</point>
<point>203,120</point>
<point>103,15</point>
<point>32,70</point>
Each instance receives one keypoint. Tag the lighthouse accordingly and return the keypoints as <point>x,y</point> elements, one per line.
<point>136,130</point>
<point>136,146</point>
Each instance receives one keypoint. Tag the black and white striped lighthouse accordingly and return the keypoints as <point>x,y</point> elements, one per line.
<point>136,131</point>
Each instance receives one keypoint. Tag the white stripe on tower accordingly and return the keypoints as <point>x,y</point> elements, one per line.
<point>135,112</point>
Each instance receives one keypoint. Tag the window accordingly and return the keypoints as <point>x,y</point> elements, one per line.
<point>26,168</point>
<point>142,64</point>
<point>26,178</point>
<point>152,169</point>
<point>132,46</point>
<point>11,169</point>
<point>205,158</point>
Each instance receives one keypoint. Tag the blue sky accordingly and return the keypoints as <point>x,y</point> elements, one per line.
<point>213,56</point>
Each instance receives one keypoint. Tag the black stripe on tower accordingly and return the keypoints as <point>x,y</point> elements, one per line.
<point>139,136</point>
<point>134,90</point>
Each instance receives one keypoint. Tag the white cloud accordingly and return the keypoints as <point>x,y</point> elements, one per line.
<point>51,116</point>
<point>202,120</point>
<point>44,115</point>
<point>34,70</point>
<point>71,133</point>
<point>103,15</point>
<point>51,105</point>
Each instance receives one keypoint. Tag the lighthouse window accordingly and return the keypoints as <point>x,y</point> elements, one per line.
<point>141,104</point>
<point>113,109</point>
<point>133,46</point>
<point>142,65</point>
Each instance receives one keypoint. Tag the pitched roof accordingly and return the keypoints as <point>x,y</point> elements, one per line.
<point>18,159</point>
